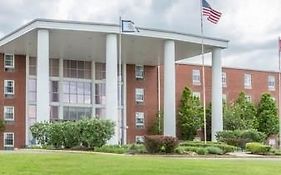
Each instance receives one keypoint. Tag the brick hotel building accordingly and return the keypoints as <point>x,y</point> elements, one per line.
<point>63,70</point>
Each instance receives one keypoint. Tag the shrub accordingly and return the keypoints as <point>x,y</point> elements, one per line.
<point>159,143</point>
<point>214,150</point>
<point>186,149</point>
<point>2,126</point>
<point>154,143</point>
<point>71,134</point>
<point>224,147</point>
<point>239,138</point>
<point>117,149</point>
<point>40,132</point>
<point>137,148</point>
<point>55,134</point>
<point>257,148</point>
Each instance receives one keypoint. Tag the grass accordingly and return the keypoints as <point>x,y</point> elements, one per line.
<point>84,164</point>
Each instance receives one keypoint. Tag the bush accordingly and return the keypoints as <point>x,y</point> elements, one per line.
<point>186,149</point>
<point>224,147</point>
<point>214,150</point>
<point>239,138</point>
<point>117,149</point>
<point>89,133</point>
<point>2,126</point>
<point>257,148</point>
<point>159,143</point>
<point>137,148</point>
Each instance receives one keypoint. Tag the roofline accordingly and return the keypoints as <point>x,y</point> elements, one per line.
<point>107,24</point>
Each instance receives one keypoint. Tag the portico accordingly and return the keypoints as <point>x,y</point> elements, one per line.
<point>98,44</point>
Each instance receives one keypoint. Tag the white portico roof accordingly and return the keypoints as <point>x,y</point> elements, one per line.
<point>85,40</point>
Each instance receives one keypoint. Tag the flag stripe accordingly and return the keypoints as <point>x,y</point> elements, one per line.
<point>212,15</point>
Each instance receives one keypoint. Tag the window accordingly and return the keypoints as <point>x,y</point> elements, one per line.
<point>100,112</point>
<point>100,93</point>
<point>54,91</point>
<point>9,61</point>
<point>9,113</point>
<point>76,113</point>
<point>139,95</point>
<point>9,87</point>
<point>8,139</point>
<point>249,98</point>
<point>100,71</point>
<point>77,92</point>
<point>196,94</point>
<point>139,139</point>
<point>32,90</point>
<point>54,112</point>
<point>77,69</point>
<point>196,80</point>
<point>139,120</point>
<point>32,66</point>
<point>224,97</point>
<point>139,71</point>
<point>54,67</point>
<point>248,81</point>
<point>271,82</point>
<point>224,79</point>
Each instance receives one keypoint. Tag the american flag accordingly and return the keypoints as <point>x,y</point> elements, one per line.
<point>213,15</point>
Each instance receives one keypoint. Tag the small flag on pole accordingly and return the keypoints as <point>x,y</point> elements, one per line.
<point>128,26</point>
<point>213,15</point>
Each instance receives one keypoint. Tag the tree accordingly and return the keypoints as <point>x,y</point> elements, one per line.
<point>267,115</point>
<point>2,126</point>
<point>240,115</point>
<point>157,126</point>
<point>190,115</point>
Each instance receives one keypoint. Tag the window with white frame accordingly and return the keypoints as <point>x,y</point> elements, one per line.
<point>77,92</point>
<point>9,113</point>
<point>197,94</point>
<point>32,91</point>
<point>139,71</point>
<point>9,61</point>
<point>33,66</point>
<point>54,113</point>
<point>77,69</point>
<point>249,98</point>
<point>247,81</point>
<point>9,139</point>
<point>9,87</point>
<point>271,82</point>
<point>223,79</point>
<point>139,139</point>
<point>139,120</point>
<point>139,95</point>
<point>196,80</point>
<point>54,67</point>
<point>54,91</point>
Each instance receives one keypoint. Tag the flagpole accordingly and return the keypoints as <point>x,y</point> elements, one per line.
<point>203,74</point>
<point>279,89</point>
<point>119,84</point>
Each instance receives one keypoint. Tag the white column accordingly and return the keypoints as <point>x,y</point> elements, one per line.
<point>124,103</point>
<point>61,88</point>
<point>93,74</point>
<point>217,121</point>
<point>43,76</point>
<point>169,89</point>
<point>27,132</point>
<point>111,88</point>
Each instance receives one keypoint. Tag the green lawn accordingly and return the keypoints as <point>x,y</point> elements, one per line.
<point>89,164</point>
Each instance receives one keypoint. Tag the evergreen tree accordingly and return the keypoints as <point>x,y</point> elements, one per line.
<point>190,115</point>
<point>267,115</point>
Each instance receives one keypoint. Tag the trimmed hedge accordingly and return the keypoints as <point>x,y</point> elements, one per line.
<point>159,143</point>
<point>88,133</point>
<point>117,149</point>
<point>239,138</point>
<point>224,147</point>
<point>186,149</point>
<point>258,148</point>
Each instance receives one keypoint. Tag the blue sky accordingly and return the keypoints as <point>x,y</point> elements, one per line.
<point>252,26</point>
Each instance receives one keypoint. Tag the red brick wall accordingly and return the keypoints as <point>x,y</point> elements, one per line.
<point>149,107</point>
<point>18,101</point>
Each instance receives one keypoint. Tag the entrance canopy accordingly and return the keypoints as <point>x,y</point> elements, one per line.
<point>87,41</point>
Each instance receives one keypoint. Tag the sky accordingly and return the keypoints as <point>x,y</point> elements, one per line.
<point>251,26</point>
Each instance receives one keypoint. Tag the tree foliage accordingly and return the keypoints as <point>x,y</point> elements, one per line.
<point>190,115</point>
<point>157,125</point>
<point>267,115</point>
<point>2,125</point>
<point>240,115</point>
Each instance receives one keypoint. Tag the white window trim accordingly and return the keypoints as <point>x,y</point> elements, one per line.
<point>139,100</point>
<point>7,66</point>
<point>224,83</point>
<point>139,76</point>
<point>139,124</point>
<point>5,109</point>
<point>9,93</point>
<point>271,88</point>
<point>141,138</point>
<point>194,81</point>
<point>245,83</point>
<point>197,94</point>
<point>5,135</point>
